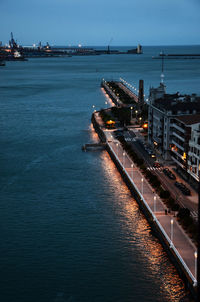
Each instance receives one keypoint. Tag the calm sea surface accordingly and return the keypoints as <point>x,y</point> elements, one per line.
<point>70,230</point>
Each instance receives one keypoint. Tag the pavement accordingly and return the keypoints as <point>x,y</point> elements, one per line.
<point>190,202</point>
<point>175,235</point>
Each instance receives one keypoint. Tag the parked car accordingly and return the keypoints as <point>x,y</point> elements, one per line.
<point>169,173</point>
<point>182,188</point>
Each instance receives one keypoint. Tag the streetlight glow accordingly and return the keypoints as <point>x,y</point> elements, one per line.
<point>142,179</point>
<point>131,113</point>
<point>195,265</point>
<point>172,223</point>
<point>132,170</point>
<point>154,199</point>
<point>117,149</point>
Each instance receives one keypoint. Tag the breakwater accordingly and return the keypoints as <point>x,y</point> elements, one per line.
<point>155,219</point>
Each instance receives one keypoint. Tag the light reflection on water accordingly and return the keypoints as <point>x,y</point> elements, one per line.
<point>138,235</point>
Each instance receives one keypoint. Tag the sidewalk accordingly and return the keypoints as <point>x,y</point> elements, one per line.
<point>177,239</point>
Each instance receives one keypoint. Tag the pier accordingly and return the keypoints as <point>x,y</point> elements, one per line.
<point>134,99</point>
<point>93,147</point>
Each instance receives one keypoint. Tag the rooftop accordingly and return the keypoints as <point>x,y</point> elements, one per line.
<point>189,119</point>
<point>176,102</point>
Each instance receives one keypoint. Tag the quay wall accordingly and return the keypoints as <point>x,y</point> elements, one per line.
<point>156,227</point>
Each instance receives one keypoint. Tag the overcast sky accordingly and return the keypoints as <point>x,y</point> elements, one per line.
<point>96,22</point>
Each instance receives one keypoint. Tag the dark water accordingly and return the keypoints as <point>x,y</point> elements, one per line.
<point>70,231</point>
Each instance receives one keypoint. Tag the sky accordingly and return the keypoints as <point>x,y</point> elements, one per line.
<point>101,22</point>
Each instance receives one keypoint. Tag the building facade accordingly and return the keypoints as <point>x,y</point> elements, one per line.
<point>185,147</point>
<point>162,110</point>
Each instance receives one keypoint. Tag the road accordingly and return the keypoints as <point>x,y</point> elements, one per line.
<point>190,202</point>
<point>168,224</point>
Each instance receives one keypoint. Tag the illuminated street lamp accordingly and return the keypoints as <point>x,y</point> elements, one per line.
<point>136,112</point>
<point>106,104</point>
<point>117,149</point>
<point>142,180</point>
<point>131,113</point>
<point>154,204</point>
<point>132,171</point>
<point>172,230</point>
<point>195,265</point>
<point>124,159</point>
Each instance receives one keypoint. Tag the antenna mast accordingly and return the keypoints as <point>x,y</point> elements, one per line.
<point>162,74</point>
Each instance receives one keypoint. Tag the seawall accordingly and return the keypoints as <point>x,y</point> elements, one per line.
<point>156,227</point>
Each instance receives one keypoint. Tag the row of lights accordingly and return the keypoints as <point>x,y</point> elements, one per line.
<point>154,206</point>
<point>142,190</point>
<point>131,86</point>
<point>128,84</point>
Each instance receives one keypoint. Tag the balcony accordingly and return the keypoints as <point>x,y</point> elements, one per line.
<point>178,128</point>
<point>176,144</point>
<point>178,136</point>
<point>177,154</point>
<point>195,176</point>
<point>177,162</point>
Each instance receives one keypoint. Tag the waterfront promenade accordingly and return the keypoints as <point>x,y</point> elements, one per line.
<point>177,240</point>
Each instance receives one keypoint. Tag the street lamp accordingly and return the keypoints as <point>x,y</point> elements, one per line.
<point>106,104</point>
<point>117,149</point>
<point>136,113</point>
<point>172,224</point>
<point>124,159</point>
<point>131,113</point>
<point>142,180</point>
<point>132,171</point>
<point>154,203</point>
<point>195,265</point>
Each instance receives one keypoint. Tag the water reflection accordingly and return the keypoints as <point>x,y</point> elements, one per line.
<point>137,234</point>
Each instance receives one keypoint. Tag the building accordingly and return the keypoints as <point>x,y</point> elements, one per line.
<point>162,110</point>
<point>185,147</point>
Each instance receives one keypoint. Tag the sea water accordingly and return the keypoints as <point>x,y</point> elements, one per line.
<point>70,230</point>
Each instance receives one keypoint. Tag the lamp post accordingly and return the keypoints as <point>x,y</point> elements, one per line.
<point>131,113</point>
<point>106,104</point>
<point>132,171</point>
<point>154,204</point>
<point>172,230</point>
<point>117,149</point>
<point>142,189</point>
<point>124,160</point>
<point>195,265</point>
<point>136,112</point>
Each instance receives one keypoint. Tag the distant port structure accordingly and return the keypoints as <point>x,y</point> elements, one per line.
<point>15,52</point>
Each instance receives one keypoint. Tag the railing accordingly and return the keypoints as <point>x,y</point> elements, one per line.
<point>155,219</point>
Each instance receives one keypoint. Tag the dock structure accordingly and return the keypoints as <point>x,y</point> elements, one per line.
<point>126,98</point>
<point>128,91</point>
<point>93,147</point>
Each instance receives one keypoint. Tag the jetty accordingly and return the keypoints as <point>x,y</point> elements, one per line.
<point>93,147</point>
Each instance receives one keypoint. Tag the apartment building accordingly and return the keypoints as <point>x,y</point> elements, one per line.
<point>162,110</point>
<point>185,147</point>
